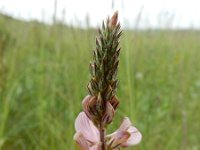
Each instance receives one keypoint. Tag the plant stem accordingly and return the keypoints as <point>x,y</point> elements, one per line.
<point>102,131</point>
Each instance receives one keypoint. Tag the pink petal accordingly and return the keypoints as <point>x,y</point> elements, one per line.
<point>87,128</point>
<point>126,123</point>
<point>135,137</point>
<point>118,138</point>
<point>95,147</point>
<point>81,141</point>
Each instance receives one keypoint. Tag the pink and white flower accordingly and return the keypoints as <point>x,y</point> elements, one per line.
<point>88,137</point>
<point>126,135</point>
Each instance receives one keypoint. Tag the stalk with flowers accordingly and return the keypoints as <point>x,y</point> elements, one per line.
<point>100,105</point>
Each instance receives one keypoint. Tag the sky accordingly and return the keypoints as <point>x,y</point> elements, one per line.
<point>132,13</point>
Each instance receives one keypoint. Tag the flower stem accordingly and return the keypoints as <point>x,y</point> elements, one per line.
<point>102,131</point>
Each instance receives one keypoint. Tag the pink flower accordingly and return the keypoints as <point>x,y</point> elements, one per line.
<point>126,135</point>
<point>87,135</point>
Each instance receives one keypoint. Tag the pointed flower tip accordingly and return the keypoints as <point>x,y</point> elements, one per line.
<point>114,19</point>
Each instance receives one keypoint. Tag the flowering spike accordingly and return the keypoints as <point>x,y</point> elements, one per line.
<point>106,58</point>
<point>100,105</point>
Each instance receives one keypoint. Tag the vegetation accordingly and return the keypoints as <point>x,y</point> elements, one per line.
<point>44,70</point>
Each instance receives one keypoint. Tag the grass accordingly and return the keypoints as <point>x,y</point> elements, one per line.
<point>46,69</point>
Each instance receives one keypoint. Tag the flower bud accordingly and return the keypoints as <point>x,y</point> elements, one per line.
<point>94,108</point>
<point>114,20</point>
<point>109,114</point>
<point>98,110</point>
<point>114,102</point>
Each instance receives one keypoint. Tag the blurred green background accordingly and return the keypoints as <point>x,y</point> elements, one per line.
<point>44,70</point>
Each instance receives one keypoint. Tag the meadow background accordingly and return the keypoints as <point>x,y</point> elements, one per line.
<point>44,70</point>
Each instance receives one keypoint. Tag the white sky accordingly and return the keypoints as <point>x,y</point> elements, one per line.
<point>154,13</point>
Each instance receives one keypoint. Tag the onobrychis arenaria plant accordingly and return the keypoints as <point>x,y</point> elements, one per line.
<point>100,105</point>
